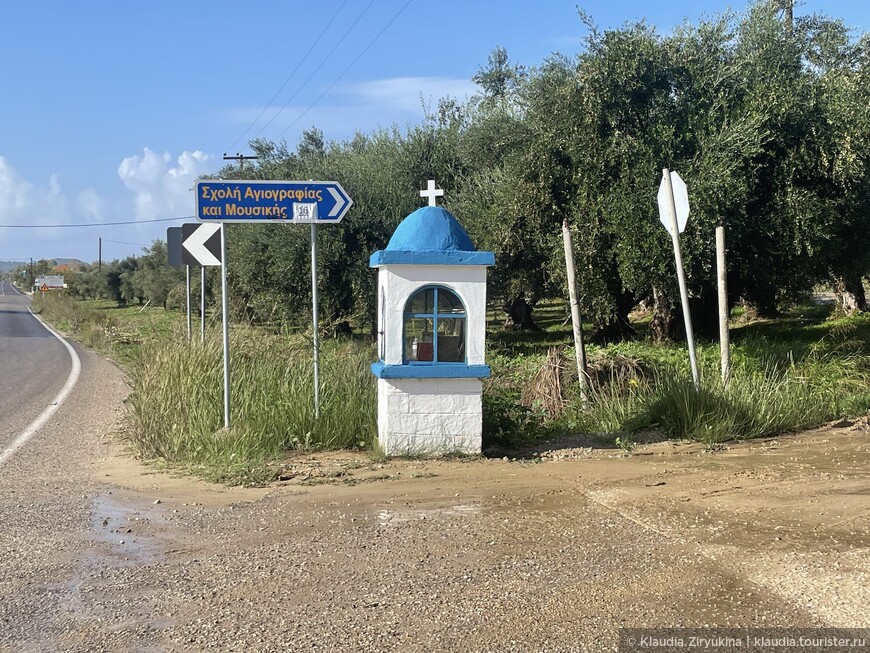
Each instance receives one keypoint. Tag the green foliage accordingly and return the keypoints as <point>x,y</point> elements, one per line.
<point>102,325</point>
<point>153,280</point>
<point>765,125</point>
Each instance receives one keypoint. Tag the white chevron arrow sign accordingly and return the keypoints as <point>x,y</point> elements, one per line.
<point>202,244</point>
<point>339,201</point>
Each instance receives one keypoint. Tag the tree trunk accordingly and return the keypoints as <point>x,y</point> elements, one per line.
<point>519,315</point>
<point>664,323</point>
<point>850,295</point>
<point>618,328</point>
<point>705,313</point>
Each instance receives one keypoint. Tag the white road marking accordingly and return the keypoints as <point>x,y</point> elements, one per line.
<point>40,421</point>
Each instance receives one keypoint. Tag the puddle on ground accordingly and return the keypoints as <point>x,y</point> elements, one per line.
<point>392,517</point>
<point>121,525</point>
<point>120,537</point>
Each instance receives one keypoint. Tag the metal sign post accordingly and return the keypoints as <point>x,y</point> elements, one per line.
<point>202,305</point>
<point>187,301</point>
<point>676,222</point>
<point>308,212</point>
<point>314,320</point>
<point>226,326</point>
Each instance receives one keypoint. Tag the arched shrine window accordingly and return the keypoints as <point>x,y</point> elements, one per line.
<point>434,327</point>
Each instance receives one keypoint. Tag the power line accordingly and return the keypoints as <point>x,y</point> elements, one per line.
<point>121,242</point>
<point>358,57</point>
<point>308,79</point>
<point>286,81</point>
<point>92,224</point>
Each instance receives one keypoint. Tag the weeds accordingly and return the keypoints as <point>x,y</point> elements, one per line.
<point>784,378</point>
<point>176,406</point>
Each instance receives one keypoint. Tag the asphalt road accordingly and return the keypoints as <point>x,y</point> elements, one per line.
<point>34,365</point>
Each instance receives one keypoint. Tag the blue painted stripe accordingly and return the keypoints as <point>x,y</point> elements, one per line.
<point>434,371</point>
<point>430,257</point>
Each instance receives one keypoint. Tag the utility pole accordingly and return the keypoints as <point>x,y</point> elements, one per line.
<point>241,158</point>
<point>100,255</point>
<point>32,278</point>
<point>788,16</point>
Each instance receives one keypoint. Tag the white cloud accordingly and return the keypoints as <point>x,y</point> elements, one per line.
<point>362,106</point>
<point>405,93</point>
<point>160,185</point>
<point>23,202</point>
<point>90,205</point>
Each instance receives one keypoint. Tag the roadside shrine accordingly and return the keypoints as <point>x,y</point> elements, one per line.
<point>431,335</point>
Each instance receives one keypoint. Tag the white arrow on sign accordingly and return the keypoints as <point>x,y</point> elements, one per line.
<point>339,202</point>
<point>681,201</point>
<point>195,244</point>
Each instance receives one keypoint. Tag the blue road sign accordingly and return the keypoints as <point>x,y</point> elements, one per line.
<point>271,201</point>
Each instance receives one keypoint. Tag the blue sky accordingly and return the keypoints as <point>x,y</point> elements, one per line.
<point>109,110</point>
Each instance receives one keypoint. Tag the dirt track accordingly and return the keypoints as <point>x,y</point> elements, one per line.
<point>482,555</point>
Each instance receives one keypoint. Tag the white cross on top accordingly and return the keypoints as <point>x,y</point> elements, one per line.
<point>431,192</point>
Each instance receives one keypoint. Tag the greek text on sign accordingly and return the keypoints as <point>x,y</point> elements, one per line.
<point>271,201</point>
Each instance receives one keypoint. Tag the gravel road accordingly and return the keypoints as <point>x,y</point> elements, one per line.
<point>99,553</point>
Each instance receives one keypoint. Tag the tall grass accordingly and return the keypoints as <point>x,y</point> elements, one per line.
<point>783,395</point>
<point>786,376</point>
<point>176,406</point>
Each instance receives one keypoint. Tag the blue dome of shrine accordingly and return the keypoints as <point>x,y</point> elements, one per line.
<point>431,235</point>
<point>430,228</point>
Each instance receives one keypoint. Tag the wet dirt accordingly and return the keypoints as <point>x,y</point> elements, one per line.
<point>554,554</point>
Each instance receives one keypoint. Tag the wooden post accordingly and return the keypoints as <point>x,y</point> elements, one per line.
<point>576,319</point>
<point>721,274</point>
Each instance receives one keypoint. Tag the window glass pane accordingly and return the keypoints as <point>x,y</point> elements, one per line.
<point>418,331</point>
<point>449,302</point>
<point>422,301</point>
<point>418,339</point>
<point>451,339</point>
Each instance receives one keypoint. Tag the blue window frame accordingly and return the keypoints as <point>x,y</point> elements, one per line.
<point>434,327</point>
